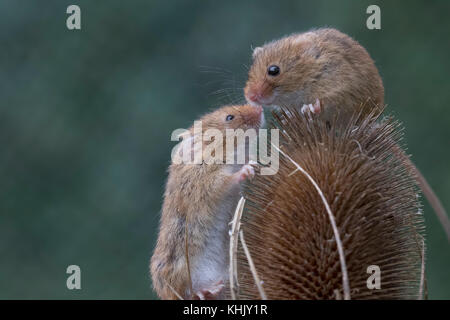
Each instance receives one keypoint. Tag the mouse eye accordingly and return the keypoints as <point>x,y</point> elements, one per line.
<point>273,70</point>
<point>229,117</point>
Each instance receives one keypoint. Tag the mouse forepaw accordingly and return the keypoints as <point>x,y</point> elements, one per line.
<point>312,108</point>
<point>247,172</point>
<point>211,293</point>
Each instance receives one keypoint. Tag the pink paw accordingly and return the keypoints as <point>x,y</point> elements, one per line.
<point>211,293</point>
<point>247,172</point>
<point>313,108</point>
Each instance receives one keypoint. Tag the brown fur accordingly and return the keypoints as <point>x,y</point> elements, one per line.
<point>324,64</point>
<point>195,194</point>
<point>328,65</point>
<point>371,194</point>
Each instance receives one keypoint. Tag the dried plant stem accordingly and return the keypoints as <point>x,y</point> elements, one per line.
<point>173,290</point>
<point>252,267</point>
<point>345,280</point>
<point>235,225</point>
<point>186,253</point>
<point>422,273</point>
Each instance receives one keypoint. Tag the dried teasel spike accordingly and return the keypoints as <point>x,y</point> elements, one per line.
<point>371,195</point>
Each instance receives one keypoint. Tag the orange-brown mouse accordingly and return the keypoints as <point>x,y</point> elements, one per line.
<point>322,64</point>
<point>199,203</point>
<point>323,71</point>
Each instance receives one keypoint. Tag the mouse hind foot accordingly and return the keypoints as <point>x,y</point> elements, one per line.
<point>212,292</point>
<point>312,108</point>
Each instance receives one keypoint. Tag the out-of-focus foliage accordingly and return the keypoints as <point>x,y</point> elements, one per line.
<point>86,118</point>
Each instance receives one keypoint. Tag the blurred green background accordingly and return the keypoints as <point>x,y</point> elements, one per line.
<point>86,118</point>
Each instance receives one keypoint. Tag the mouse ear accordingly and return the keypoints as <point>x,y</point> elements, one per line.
<point>314,52</point>
<point>256,51</point>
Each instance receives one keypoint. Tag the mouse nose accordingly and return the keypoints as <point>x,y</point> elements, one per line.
<point>253,96</point>
<point>253,93</point>
<point>256,93</point>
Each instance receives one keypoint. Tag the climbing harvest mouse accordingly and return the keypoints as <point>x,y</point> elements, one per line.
<point>326,72</point>
<point>199,202</point>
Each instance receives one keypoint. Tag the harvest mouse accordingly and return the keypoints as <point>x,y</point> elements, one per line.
<point>190,260</point>
<point>324,64</point>
<point>326,72</point>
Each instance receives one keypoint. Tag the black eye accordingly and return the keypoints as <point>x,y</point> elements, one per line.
<point>229,117</point>
<point>273,70</point>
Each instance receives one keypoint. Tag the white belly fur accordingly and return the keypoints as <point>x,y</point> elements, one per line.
<point>212,265</point>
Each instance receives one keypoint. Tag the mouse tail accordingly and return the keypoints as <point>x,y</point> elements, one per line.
<point>433,201</point>
<point>429,193</point>
<point>186,254</point>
